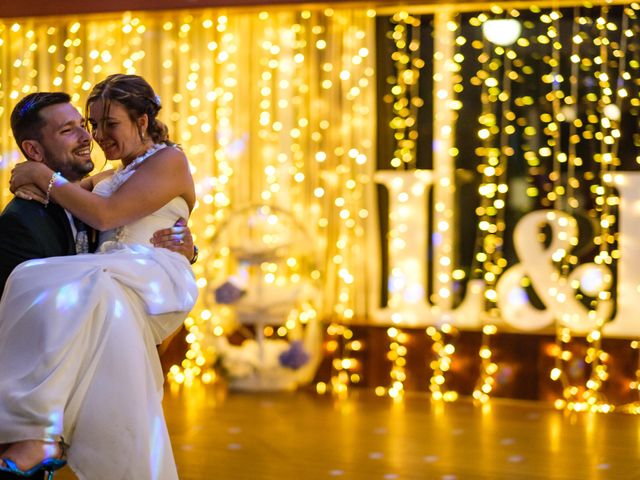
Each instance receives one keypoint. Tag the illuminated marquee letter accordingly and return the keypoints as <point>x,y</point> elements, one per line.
<point>408,248</point>
<point>627,320</point>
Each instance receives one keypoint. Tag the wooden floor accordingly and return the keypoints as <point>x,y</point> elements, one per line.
<point>301,435</point>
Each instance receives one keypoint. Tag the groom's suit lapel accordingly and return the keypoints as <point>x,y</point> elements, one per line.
<point>92,235</point>
<point>60,216</point>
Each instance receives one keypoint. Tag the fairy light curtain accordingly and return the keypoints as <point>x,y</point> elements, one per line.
<point>272,108</point>
<point>278,108</point>
<point>553,128</point>
<point>540,128</point>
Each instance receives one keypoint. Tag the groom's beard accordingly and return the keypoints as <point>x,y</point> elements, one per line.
<point>72,171</point>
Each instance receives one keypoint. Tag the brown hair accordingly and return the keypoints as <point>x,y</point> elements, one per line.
<point>136,95</point>
<point>26,122</point>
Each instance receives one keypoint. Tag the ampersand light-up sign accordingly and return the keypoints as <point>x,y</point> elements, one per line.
<point>537,265</point>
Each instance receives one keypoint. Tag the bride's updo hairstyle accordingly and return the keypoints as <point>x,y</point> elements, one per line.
<point>136,95</point>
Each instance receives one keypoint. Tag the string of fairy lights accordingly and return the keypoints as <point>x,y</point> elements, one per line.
<point>495,126</point>
<point>276,109</point>
<point>448,83</point>
<point>563,335</point>
<point>405,101</point>
<point>590,397</point>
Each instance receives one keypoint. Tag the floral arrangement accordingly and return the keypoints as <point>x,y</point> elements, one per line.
<point>259,363</point>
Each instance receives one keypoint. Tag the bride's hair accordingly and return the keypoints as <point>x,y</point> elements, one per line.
<point>137,96</point>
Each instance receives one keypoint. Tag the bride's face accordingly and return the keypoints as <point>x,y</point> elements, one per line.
<point>116,133</point>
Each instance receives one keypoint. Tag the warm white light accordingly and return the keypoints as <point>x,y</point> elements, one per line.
<point>612,112</point>
<point>502,31</point>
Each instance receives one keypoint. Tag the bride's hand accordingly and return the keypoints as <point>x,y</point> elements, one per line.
<point>31,192</point>
<point>25,173</point>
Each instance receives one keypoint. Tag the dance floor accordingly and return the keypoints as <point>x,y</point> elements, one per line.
<point>302,435</point>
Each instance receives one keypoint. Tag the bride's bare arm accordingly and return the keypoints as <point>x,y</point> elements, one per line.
<point>89,182</point>
<point>156,181</point>
<point>32,192</point>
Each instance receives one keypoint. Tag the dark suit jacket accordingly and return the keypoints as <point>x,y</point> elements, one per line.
<point>30,230</point>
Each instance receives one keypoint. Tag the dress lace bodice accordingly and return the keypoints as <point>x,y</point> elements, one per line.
<point>139,231</point>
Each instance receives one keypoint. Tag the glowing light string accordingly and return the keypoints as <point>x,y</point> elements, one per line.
<point>495,128</point>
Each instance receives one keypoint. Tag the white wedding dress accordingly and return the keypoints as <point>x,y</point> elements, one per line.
<point>78,356</point>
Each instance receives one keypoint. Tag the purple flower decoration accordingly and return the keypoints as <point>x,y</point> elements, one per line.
<point>295,357</point>
<point>228,293</point>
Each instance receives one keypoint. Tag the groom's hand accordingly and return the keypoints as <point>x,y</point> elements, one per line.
<point>177,238</point>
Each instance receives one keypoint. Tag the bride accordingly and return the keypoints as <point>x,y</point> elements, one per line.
<point>78,334</point>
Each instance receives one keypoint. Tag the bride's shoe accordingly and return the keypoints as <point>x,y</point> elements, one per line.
<point>47,467</point>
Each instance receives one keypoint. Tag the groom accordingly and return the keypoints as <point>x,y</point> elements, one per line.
<point>49,129</point>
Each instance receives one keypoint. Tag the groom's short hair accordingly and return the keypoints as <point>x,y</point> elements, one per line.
<point>26,122</point>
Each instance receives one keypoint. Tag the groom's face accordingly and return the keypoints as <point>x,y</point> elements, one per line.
<point>65,141</point>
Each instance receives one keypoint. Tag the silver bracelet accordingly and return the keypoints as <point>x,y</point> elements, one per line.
<point>194,259</point>
<point>50,186</point>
